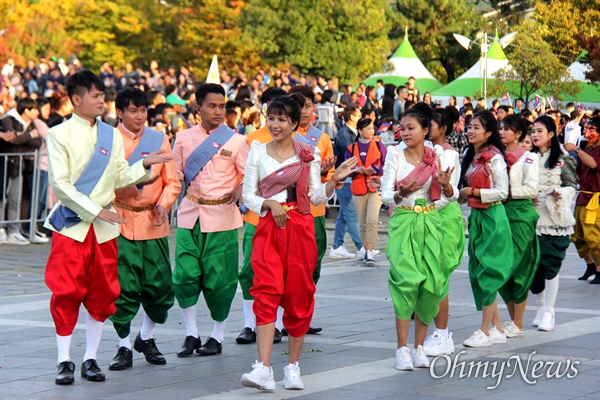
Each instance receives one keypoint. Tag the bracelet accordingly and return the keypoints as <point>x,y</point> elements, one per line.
<point>335,180</point>
<point>472,192</point>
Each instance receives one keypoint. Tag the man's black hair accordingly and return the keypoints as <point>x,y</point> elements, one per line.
<point>83,81</point>
<point>204,89</point>
<point>131,96</point>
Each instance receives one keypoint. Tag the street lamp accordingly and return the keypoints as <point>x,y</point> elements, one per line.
<point>484,45</point>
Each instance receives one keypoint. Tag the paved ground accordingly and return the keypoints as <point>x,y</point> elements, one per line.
<point>353,358</point>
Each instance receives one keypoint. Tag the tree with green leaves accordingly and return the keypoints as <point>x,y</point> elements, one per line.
<point>344,39</point>
<point>535,69</point>
<point>431,25</point>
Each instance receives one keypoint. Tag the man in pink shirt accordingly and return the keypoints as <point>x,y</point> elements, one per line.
<point>206,255</point>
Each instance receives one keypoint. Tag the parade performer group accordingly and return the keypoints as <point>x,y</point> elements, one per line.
<point>87,163</point>
<point>116,188</point>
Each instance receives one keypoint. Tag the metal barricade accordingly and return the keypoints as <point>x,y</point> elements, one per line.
<point>12,201</point>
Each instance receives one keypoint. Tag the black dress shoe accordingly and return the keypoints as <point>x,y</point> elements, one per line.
<point>589,271</point>
<point>66,373</point>
<point>246,337</point>
<point>596,280</point>
<point>313,331</point>
<point>189,345</point>
<point>123,360</point>
<point>284,332</point>
<point>148,347</point>
<point>210,348</point>
<point>91,371</point>
<point>277,337</point>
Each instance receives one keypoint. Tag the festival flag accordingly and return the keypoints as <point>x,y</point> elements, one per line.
<point>213,72</point>
<point>550,99</point>
<point>506,97</point>
<point>538,103</point>
<point>579,107</point>
<point>384,127</point>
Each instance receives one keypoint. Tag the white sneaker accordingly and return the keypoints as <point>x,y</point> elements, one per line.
<point>369,258</point>
<point>361,253</point>
<point>18,239</point>
<point>404,359</point>
<point>547,321</point>
<point>496,336</point>
<point>512,330</point>
<point>260,378</point>
<point>419,358</point>
<point>436,345</point>
<point>478,339</point>
<point>39,238</point>
<point>3,236</point>
<point>538,315</point>
<point>291,377</point>
<point>340,252</point>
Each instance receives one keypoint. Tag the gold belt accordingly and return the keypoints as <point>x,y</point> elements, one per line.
<point>418,209</point>
<point>288,208</point>
<point>203,202</point>
<point>495,203</point>
<point>135,209</point>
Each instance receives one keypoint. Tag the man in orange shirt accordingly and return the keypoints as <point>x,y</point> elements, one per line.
<point>144,263</point>
<point>211,159</point>
<point>248,335</point>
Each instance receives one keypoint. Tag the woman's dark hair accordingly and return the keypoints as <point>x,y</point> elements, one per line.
<point>58,100</point>
<point>363,123</point>
<point>454,113</point>
<point>41,102</point>
<point>555,151</point>
<point>515,123</point>
<point>288,106</point>
<point>327,96</point>
<point>454,99</point>
<point>422,113</point>
<point>490,124</point>
<point>443,118</point>
<point>243,93</point>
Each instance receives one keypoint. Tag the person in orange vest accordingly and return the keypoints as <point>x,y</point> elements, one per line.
<point>367,200</point>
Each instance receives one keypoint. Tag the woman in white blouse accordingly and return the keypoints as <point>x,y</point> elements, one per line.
<point>440,342</point>
<point>282,178</point>
<point>413,180</point>
<point>523,170</point>
<point>557,185</point>
<point>490,244</point>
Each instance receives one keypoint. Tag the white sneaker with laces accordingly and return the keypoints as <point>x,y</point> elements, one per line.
<point>404,359</point>
<point>3,236</point>
<point>538,315</point>
<point>291,377</point>
<point>260,378</point>
<point>547,321</point>
<point>340,252</point>
<point>478,339</point>
<point>512,330</point>
<point>496,336</point>
<point>18,239</point>
<point>419,358</point>
<point>436,345</point>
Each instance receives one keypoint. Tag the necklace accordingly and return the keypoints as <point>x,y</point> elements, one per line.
<point>415,160</point>
<point>281,158</point>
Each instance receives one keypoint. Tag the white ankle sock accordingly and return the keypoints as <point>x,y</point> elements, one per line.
<point>189,319</point>
<point>551,292</point>
<point>93,335</point>
<point>218,332</point>
<point>147,328</point>
<point>63,344</point>
<point>249,317</point>
<point>442,332</point>
<point>279,320</point>
<point>125,342</point>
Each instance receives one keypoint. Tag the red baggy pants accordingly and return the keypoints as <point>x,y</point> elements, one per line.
<point>79,273</point>
<point>283,261</point>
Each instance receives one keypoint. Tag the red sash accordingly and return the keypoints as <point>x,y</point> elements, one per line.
<point>293,174</point>
<point>513,156</point>
<point>479,177</point>
<point>427,169</point>
<point>446,146</point>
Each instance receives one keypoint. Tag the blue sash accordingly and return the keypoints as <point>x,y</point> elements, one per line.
<point>150,142</point>
<point>89,178</point>
<point>205,152</point>
<point>312,136</point>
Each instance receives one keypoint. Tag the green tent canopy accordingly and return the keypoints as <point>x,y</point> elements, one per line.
<point>405,64</point>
